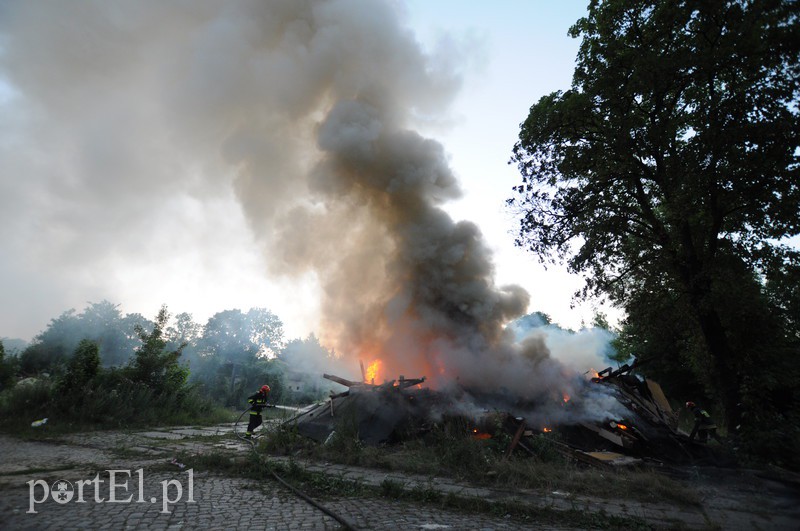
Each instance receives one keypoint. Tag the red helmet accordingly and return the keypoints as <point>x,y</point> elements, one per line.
<point>265,389</point>
<point>690,405</point>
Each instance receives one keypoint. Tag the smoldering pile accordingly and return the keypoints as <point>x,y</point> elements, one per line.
<point>616,419</point>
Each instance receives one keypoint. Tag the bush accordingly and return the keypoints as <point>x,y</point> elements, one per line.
<point>77,383</point>
<point>152,389</point>
<point>7,370</point>
<point>29,401</point>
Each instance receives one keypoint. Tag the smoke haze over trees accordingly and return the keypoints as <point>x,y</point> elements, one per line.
<point>235,352</point>
<point>306,115</point>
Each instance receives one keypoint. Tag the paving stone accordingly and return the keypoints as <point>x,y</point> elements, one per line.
<point>234,503</point>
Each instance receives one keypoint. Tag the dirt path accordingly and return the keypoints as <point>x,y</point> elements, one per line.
<point>151,491</point>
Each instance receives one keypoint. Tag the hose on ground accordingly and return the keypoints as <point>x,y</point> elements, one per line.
<point>252,440</point>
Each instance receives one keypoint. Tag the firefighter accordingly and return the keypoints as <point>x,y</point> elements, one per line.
<point>703,425</point>
<point>257,401</point>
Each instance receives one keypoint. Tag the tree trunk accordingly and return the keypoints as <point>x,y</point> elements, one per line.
<point>728,380</point>
<point>701,300</point>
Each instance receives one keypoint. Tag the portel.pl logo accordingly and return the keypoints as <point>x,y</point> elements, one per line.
<point>63,491</point>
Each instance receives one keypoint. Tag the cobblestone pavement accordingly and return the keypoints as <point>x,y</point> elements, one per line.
<point>218,502</point>
<point>222,503</point>
<point>212,501</point>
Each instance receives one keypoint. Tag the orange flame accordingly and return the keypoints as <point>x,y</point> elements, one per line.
<point>566,398</point>
<point>480,435</point>
<point>372,371</point>
<point>622,426</point>
<point>547,430</point>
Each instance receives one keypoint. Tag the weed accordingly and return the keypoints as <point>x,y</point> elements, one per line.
<point>390,488</point>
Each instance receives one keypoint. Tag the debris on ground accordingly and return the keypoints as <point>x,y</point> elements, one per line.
<point>645,431</point>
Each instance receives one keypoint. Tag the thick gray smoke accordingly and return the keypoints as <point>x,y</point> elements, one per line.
<point>305,110</point>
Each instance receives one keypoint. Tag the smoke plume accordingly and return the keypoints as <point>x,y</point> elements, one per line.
<point>146,115</point>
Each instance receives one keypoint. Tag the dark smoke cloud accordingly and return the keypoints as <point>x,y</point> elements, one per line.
<point>131,119</point>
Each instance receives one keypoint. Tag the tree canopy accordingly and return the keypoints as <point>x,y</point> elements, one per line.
<point>668,175</point>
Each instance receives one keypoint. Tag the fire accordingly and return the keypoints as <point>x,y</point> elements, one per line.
<point>566,398</point>
<point>371,372</point>
<point>476,434</point>
<point>547,430</point>
<point>622,426</point>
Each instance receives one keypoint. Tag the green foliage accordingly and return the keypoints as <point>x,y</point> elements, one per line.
<point>666,175</point>
<point>235,356</point>
<point>184,332</point>
<point>231,383</point>
<point>78,383</point>
<point>7,370</point>
<point>99,322</point>
<point>28,401</point>
<point>152,389</point>
<point>41,358</point>
<point>391,489</point>
<point>147,372</point>
<point>242,337</point>
<point>155,367</point>
<point>600,320</point>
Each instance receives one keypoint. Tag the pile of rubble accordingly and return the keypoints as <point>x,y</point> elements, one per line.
<point>399,409</point>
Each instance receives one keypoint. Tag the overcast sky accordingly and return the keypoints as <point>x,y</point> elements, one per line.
<point>73,232</point>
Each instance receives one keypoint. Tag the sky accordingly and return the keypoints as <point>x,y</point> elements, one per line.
<point>94,203</point>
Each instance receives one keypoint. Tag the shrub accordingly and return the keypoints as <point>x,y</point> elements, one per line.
<point>30,400</point>
<point>7,370</point>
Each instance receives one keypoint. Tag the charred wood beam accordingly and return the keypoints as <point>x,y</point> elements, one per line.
<point>517,435</point>
<point>340,380</point>
<point>409,382</point>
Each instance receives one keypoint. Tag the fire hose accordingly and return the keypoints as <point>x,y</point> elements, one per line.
<point>345,523</point>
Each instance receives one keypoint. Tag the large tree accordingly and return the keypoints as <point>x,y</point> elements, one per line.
<point>668,172</point>
<point>101,322</point>
<point>235,349</point>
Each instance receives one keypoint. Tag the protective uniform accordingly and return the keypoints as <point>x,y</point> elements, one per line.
<point>257,401</point>
<point>703,425</point>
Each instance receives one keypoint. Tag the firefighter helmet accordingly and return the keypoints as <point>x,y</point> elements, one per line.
<point>265,389</point>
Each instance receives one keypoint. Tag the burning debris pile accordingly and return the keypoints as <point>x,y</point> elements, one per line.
<point>647,429</point>
<point>380,413</point>
<point>642,428</point>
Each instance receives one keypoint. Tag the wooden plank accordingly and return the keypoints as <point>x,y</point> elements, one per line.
<point>583,457</point>
<point>339,380</point>
<point>517,435</point>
